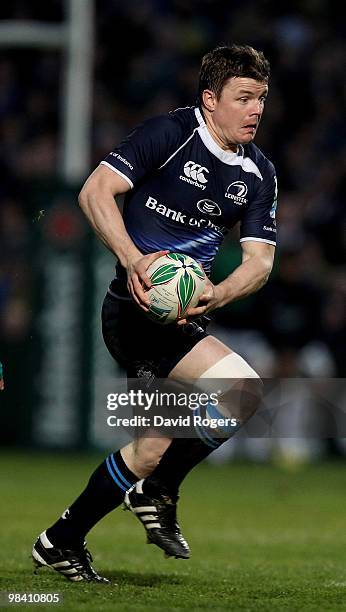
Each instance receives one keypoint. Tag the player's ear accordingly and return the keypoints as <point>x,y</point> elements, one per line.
<point>209,100</point>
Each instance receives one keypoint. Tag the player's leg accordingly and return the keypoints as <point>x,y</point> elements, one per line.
<point>143,455</point>
<point>61,546</point>
<point>240,397</point>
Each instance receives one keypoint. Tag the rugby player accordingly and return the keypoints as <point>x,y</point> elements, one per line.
<point>188,177</point>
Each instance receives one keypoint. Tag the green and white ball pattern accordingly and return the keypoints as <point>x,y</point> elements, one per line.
<point>177,282</point>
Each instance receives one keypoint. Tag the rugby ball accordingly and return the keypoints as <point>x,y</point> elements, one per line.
<point>177,282</point>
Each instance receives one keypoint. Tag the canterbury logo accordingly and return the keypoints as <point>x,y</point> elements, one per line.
<point>195,172</point>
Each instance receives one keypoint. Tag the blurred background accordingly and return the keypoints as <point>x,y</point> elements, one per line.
<point>75,77</point>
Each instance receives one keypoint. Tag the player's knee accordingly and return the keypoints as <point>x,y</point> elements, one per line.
<point>241,387</point>
<point>243,398</point>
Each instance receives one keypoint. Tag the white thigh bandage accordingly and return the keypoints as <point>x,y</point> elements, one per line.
<point>236,399</point>
<point>231,366</point>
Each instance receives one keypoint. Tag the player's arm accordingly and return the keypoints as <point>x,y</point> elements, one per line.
<point>97,200</point>
<point>251,275</point>
<point>248,277</point>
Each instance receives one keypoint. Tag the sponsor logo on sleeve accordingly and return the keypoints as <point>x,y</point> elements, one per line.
<point>122,159</point>
<point>275,202</point>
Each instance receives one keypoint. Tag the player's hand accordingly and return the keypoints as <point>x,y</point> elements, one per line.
<point>138,282</point>
<point>210,299</point>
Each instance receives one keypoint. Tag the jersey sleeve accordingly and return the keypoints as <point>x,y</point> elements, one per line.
<point>145,149</point>
<point>259,219</point>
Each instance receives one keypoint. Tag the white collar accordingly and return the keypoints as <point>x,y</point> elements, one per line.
<point>227,157</point>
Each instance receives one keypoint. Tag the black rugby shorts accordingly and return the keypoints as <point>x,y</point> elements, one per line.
<point>143,348</point>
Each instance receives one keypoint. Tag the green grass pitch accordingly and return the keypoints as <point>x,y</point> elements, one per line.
<point>262,538</point>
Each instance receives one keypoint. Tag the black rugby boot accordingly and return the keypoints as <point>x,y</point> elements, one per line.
<point>74,564</point>
<point>158,514</point>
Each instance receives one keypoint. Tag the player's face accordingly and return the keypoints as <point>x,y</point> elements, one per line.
<point>238,111</point>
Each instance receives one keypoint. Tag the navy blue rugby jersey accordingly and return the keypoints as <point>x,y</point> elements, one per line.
<point>186,191</point>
